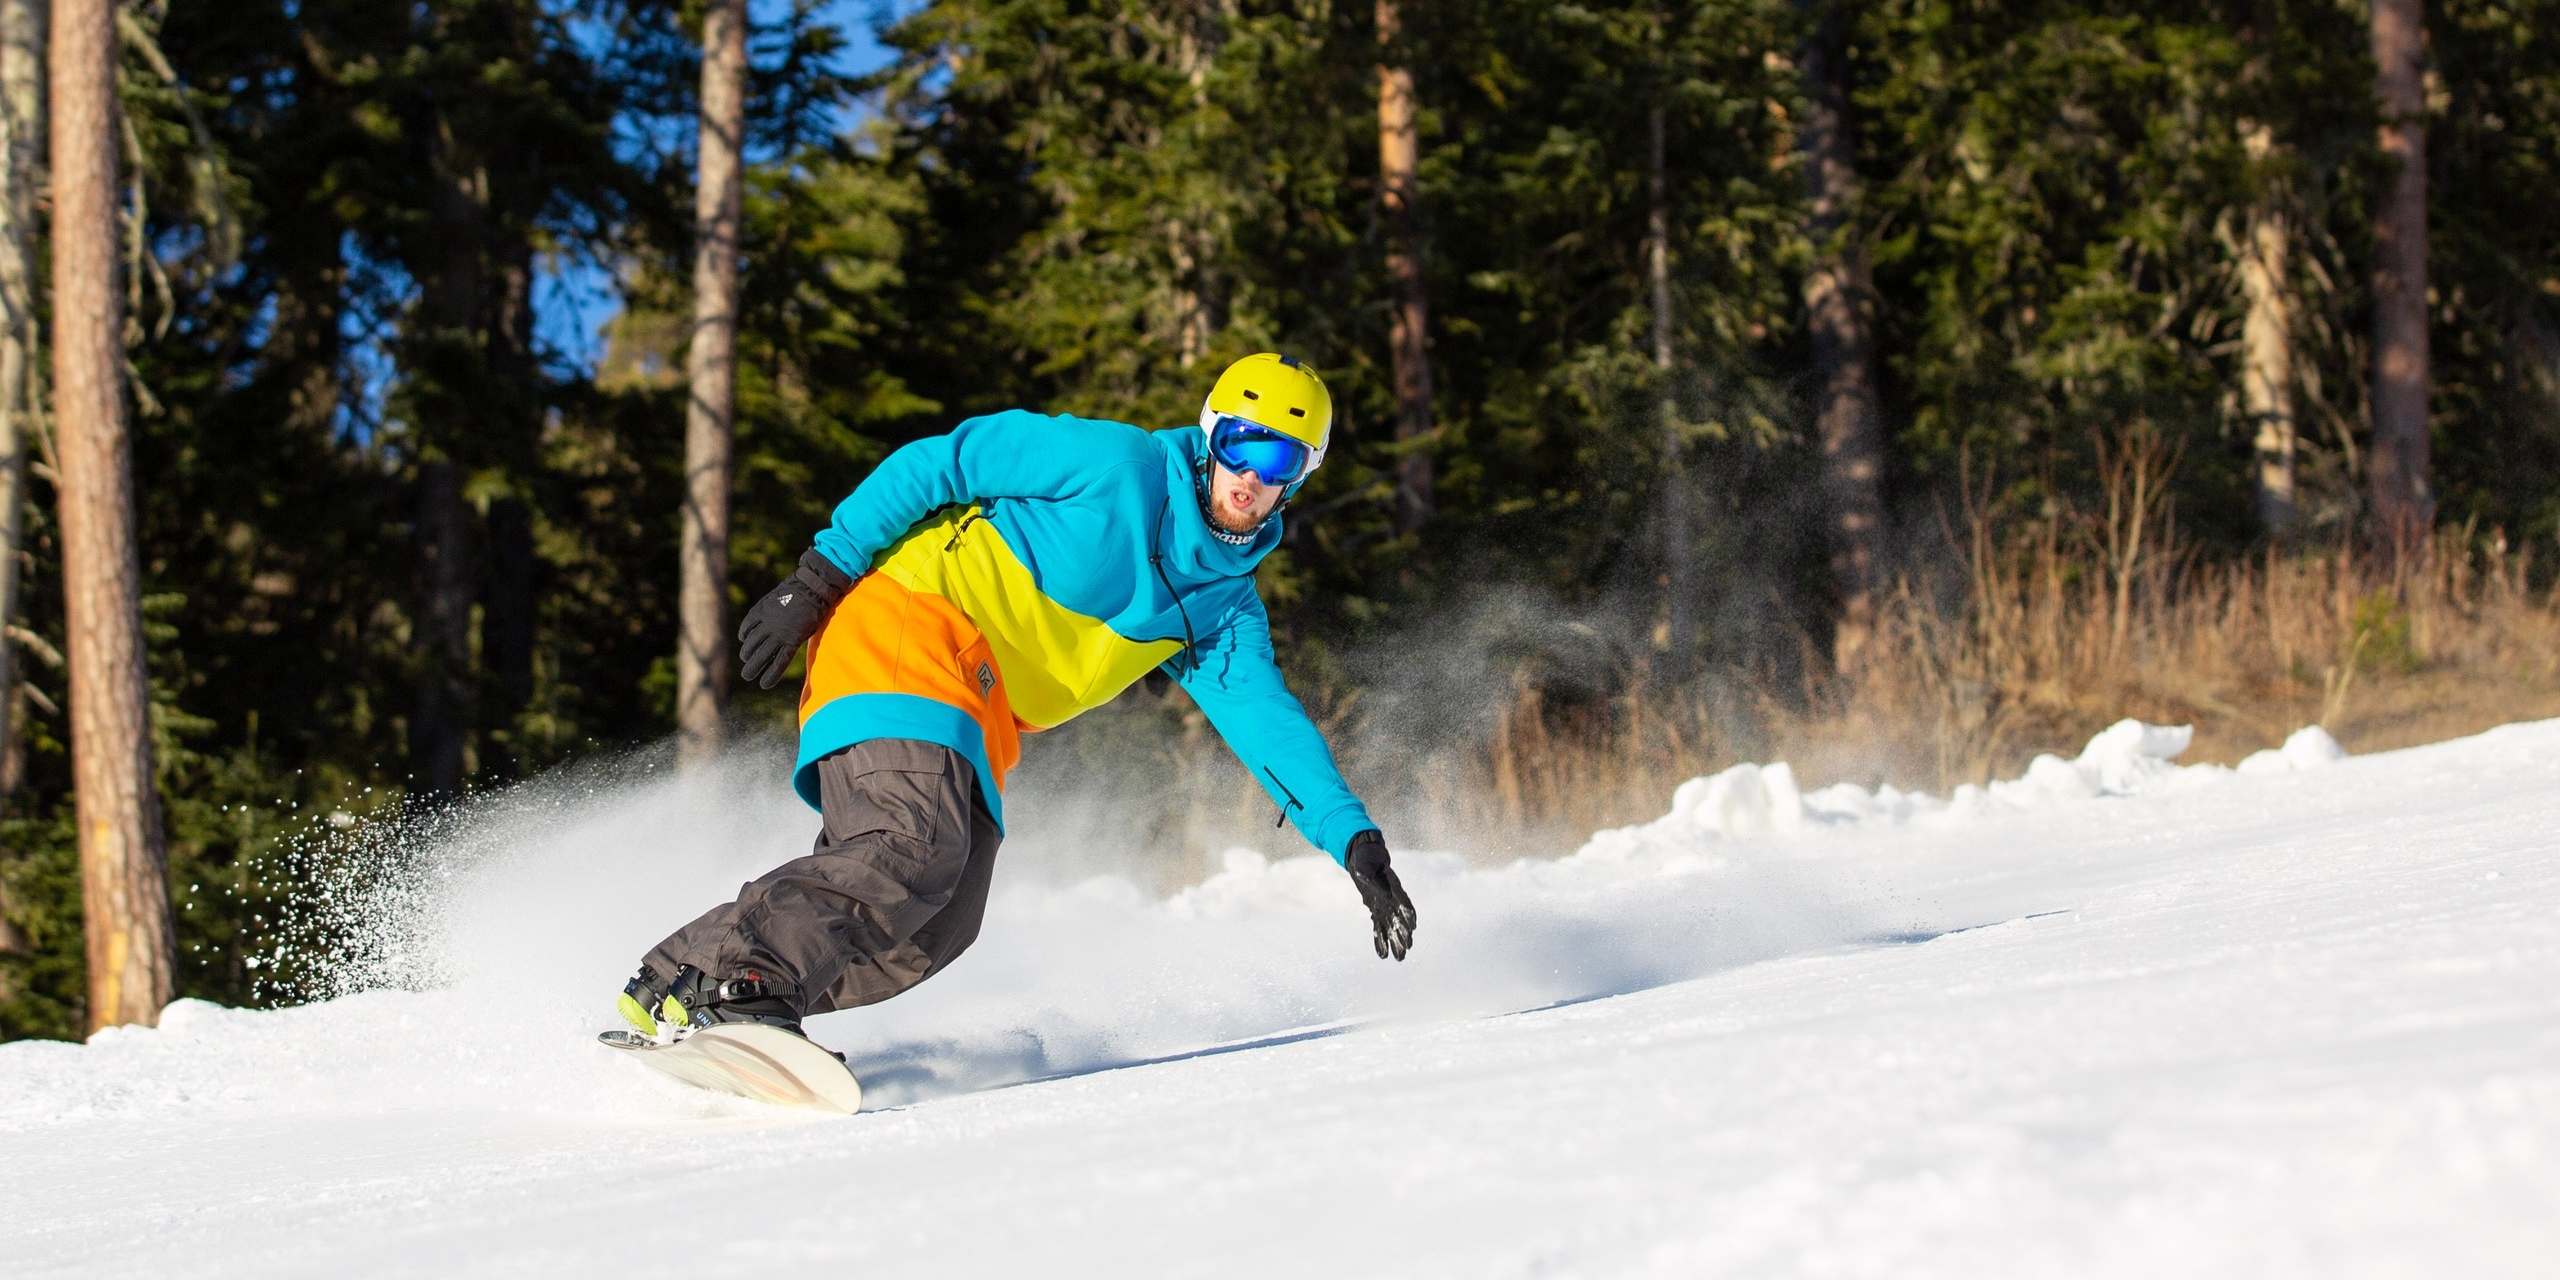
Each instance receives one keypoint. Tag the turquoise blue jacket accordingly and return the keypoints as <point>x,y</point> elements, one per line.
<point>1022,569</point>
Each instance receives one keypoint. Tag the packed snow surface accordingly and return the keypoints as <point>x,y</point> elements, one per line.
<point>2114,1017</point>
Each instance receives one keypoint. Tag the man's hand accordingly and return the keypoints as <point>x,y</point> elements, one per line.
<point>779,624</point>
<point>1390,911</point>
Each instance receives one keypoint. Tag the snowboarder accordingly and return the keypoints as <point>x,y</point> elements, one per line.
<point>998,580</point>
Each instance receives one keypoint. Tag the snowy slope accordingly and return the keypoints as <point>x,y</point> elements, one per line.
<point>2116,1018</point>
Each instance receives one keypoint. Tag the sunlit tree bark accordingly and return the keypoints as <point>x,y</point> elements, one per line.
<point>123,864</point>
<point>1839,298</point>
<point>2265,250</point>
<point>702,653</point>
<point>1409,334</point>
<point>2403,494</point>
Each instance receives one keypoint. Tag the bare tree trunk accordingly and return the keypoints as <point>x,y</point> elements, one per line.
<point>2266,334</point>
<point>123,864</point>
<point>1399,159</point>
<point>1839,296</point>
<point>507,587</point>
<point>450,360</point>
<point>702,669</point>
<point>1200,293</point>
<point>2403,494</point>
<point>21,151</point>
<point>507,623</point>
<point>1679,568</point>
<point>474,392</point>
<point>21,154</point>
<point>439,730</point>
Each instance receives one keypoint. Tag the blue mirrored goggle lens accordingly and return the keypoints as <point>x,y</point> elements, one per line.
<point>1242,446</point>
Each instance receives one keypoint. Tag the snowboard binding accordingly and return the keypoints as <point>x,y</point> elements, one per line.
<point>666,1010</point>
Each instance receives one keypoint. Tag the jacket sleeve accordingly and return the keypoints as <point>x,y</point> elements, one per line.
<point>1235,680</point>
<point>1014,454</point>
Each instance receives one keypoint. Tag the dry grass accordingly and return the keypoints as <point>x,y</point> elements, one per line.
<point>2044,650</point>
<point>2055,630</point>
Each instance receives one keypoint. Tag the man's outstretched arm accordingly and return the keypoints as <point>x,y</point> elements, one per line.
<point>1235,679</point>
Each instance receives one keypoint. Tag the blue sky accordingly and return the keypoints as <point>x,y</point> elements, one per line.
<point>574,299</point>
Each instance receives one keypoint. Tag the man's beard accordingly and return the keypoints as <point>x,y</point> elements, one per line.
<point>1234,521</point>
<point>1222,522</point>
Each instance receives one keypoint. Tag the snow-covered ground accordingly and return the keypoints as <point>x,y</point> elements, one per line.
<point>2116,1018</point>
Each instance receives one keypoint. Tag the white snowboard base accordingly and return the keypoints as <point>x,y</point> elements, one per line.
<point>767,1064</point>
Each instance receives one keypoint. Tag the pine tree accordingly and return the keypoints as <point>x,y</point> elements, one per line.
<point>21,150</point>
<point>2403,491</point>
<point>21,132</point>
<point>702,661</point>
<point>1400,199</point>
<point>1679,544</point>
<point>125,893</point>
<point>2264,249</point>
<point>1839,299</point>
<point>495,138</point>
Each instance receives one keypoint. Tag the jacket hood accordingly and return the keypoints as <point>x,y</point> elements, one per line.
<point>1190,549</point>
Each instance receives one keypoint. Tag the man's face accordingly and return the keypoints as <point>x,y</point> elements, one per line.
<point>1239,502</point>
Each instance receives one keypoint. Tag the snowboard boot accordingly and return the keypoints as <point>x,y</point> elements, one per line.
<point>665,1009</point>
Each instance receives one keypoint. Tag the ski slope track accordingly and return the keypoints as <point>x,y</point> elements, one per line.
<point>2114,1018</point>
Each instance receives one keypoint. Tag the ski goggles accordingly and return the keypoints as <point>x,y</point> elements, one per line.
<point>1241,445</point>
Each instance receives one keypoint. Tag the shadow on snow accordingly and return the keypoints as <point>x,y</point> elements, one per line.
<point>924,1071</point>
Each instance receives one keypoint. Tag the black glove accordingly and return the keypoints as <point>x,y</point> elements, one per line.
<point>779,624</point>
<point>1390,911</point>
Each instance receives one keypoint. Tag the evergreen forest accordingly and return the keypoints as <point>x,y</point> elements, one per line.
<point>1898,388</point>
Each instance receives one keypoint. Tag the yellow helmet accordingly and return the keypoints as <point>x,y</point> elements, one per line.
<point>1275,391</point>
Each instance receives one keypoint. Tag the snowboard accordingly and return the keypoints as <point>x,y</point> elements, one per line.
<point>767,1064</point>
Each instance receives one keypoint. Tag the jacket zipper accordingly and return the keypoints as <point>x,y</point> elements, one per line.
<point>965,521</point>
<point>1284,790</point>
<point>1155,559</point>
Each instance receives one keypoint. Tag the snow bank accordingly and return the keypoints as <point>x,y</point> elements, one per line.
<point>1751,801</point>
<point>2307,749</point>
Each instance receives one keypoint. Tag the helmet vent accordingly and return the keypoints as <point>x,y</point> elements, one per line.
<point>1253,395</point>
<point>1297,413</point>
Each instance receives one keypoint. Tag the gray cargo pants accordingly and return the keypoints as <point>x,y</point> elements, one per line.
<point>894,889</point>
